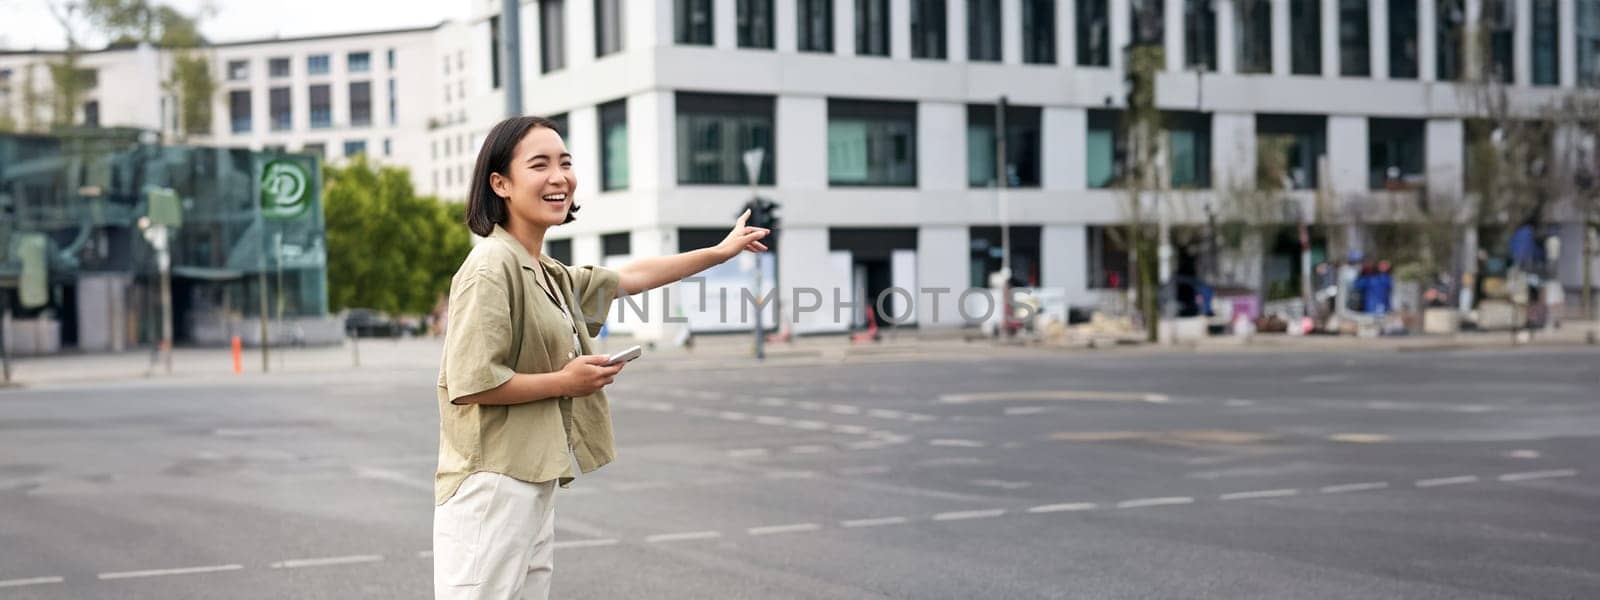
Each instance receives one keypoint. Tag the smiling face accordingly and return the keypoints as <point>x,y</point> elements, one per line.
<point>538,184</point>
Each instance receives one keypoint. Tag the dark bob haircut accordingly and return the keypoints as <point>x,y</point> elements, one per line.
<point>485,209</point>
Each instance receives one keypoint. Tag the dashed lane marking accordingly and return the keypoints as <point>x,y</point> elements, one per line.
<point>1065,507</point>
<point>961,515</point>
<point>775,529</point>
<point>1354,487</point>
<point>957,443</point>
<point>1259,494</point>
<point>10,583</point>
<point>301,563</point>
<point>568,544</point>
<point>682,537</point>
<point>166,572</point>
<point>1532,475</point>
<point>1458,480</point>
<point>876,522</point>
<point>1144,502</point>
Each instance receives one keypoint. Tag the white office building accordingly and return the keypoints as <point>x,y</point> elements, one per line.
<point>877,121</point>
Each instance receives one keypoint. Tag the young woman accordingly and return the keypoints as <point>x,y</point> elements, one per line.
<point>521,394</point>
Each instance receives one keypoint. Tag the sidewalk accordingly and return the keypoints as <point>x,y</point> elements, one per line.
<point>720,351</point>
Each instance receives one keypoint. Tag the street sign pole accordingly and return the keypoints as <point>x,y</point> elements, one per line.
<point>752,166</point>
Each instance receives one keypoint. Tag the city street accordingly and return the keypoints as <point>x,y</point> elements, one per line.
<point>979,474</point>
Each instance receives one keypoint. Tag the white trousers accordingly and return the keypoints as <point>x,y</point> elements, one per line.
<point>494,539</point>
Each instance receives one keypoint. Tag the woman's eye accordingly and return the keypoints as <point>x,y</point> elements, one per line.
<point>566,165</point>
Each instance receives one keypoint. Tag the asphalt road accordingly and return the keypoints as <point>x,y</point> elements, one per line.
<point>1450,475</point>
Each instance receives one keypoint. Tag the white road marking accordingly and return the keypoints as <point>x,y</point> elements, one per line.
<point>1355,487</point>
<point>1260,494</point>
<point>808,405</point>
<point>769,401</point>
<point>957,443</point>
<point>1034,395</point>
<point>1238,403</point>
<point>850,429</point>
<point>164,572</point>
<point>883,413</point>
<point>771,420</point>
<point>327,562</point>
<point>1025,410</point>
<point>1523,454</point>
<point>1143,502</point>
<point>811,425</point>
<point>1002,484</point>
<point>680,537</point>
<point>1070,506</point>
<point>969,514</point>
<point>923,418</point>
<point>29,581</point>
<point>844,410</point>
<point>772,529</point>
<point>747,452</point>
<point>791,475</point>
<point>733,415</point>
<point>1447,481</point>
<point>1538,475</point>
<point>568,544</point>
<point>874,522</point>
<point>870,470</point>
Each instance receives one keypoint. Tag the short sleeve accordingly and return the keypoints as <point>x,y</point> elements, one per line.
<point>477,345</point>
<point>595,288</point>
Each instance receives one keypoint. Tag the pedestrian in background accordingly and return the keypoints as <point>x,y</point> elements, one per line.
<point>521,394</point>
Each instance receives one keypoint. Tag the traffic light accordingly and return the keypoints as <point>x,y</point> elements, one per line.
<point>763,213</point>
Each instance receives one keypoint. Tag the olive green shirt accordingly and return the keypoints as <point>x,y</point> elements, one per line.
<point>502,322</point>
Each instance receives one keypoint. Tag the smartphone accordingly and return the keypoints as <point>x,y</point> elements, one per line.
<point>624,356</point>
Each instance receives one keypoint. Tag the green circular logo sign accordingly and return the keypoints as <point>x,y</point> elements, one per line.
<point>284,187</point>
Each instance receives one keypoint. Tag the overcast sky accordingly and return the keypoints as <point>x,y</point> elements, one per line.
<point>27,24</point>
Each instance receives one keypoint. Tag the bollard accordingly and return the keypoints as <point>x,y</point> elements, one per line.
<point>238,358</point>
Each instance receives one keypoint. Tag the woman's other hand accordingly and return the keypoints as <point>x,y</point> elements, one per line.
<point>742,237</point>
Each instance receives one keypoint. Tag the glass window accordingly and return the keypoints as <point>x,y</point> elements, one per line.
<point>317,64</point>
<point>714,131</point>
<point>614,145</point>
<point>561,128</point>
<point>390,58</point>
<point>1355,58</point>
<point>238,70</point>
<point>278,67</point>
<point>317,149</point>
<point>872,143</point>
<point>1022,145</point>
<point>1200,35</point>
<point>1546,52</point>
<point>693,22</point>
<point>983,30</point>
<point>1039,32</point>
<point>987,245</point>
<point>872,27</point>
<point>616,244</point>
<point>354,147</point>
<point>360,103</point>
<point>91,113</point>
<point>1147,21</point>
<point>1305,38</point>
<point>388,147</point>
<point>279,107</point>
<point>552,35</point>
<point>494,55</point>
<point>1253,37</point>
<point>815,25</point>
<point>321,106</point>
<point>1288,147</point>
<point>928,29</point>
<point>239,110</point>
<point>754,22</point>
<point>561,250</point>
<point>1588,32</point>
<point>1094,34</point>
<point>1105,151</point>
<point>1403,49</point>
<point>1450,24</point>
<point>1188,149</point>
<point>1395,153</point>
<point>359,62</point>
<point>1108,258</point>
<point>394,106</point>
<point>1499,18</point>
<point>607,27</point>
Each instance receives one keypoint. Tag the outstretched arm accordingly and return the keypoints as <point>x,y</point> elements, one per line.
<point>650,273</point>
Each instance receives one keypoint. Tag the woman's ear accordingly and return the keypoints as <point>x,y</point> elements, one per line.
<point>501,185</point>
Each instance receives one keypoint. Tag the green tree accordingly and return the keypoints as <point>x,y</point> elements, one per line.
<point>130,22</point>
<point>388,248</point>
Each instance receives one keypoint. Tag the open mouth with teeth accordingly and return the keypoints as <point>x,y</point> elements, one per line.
<point>555,198</point>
